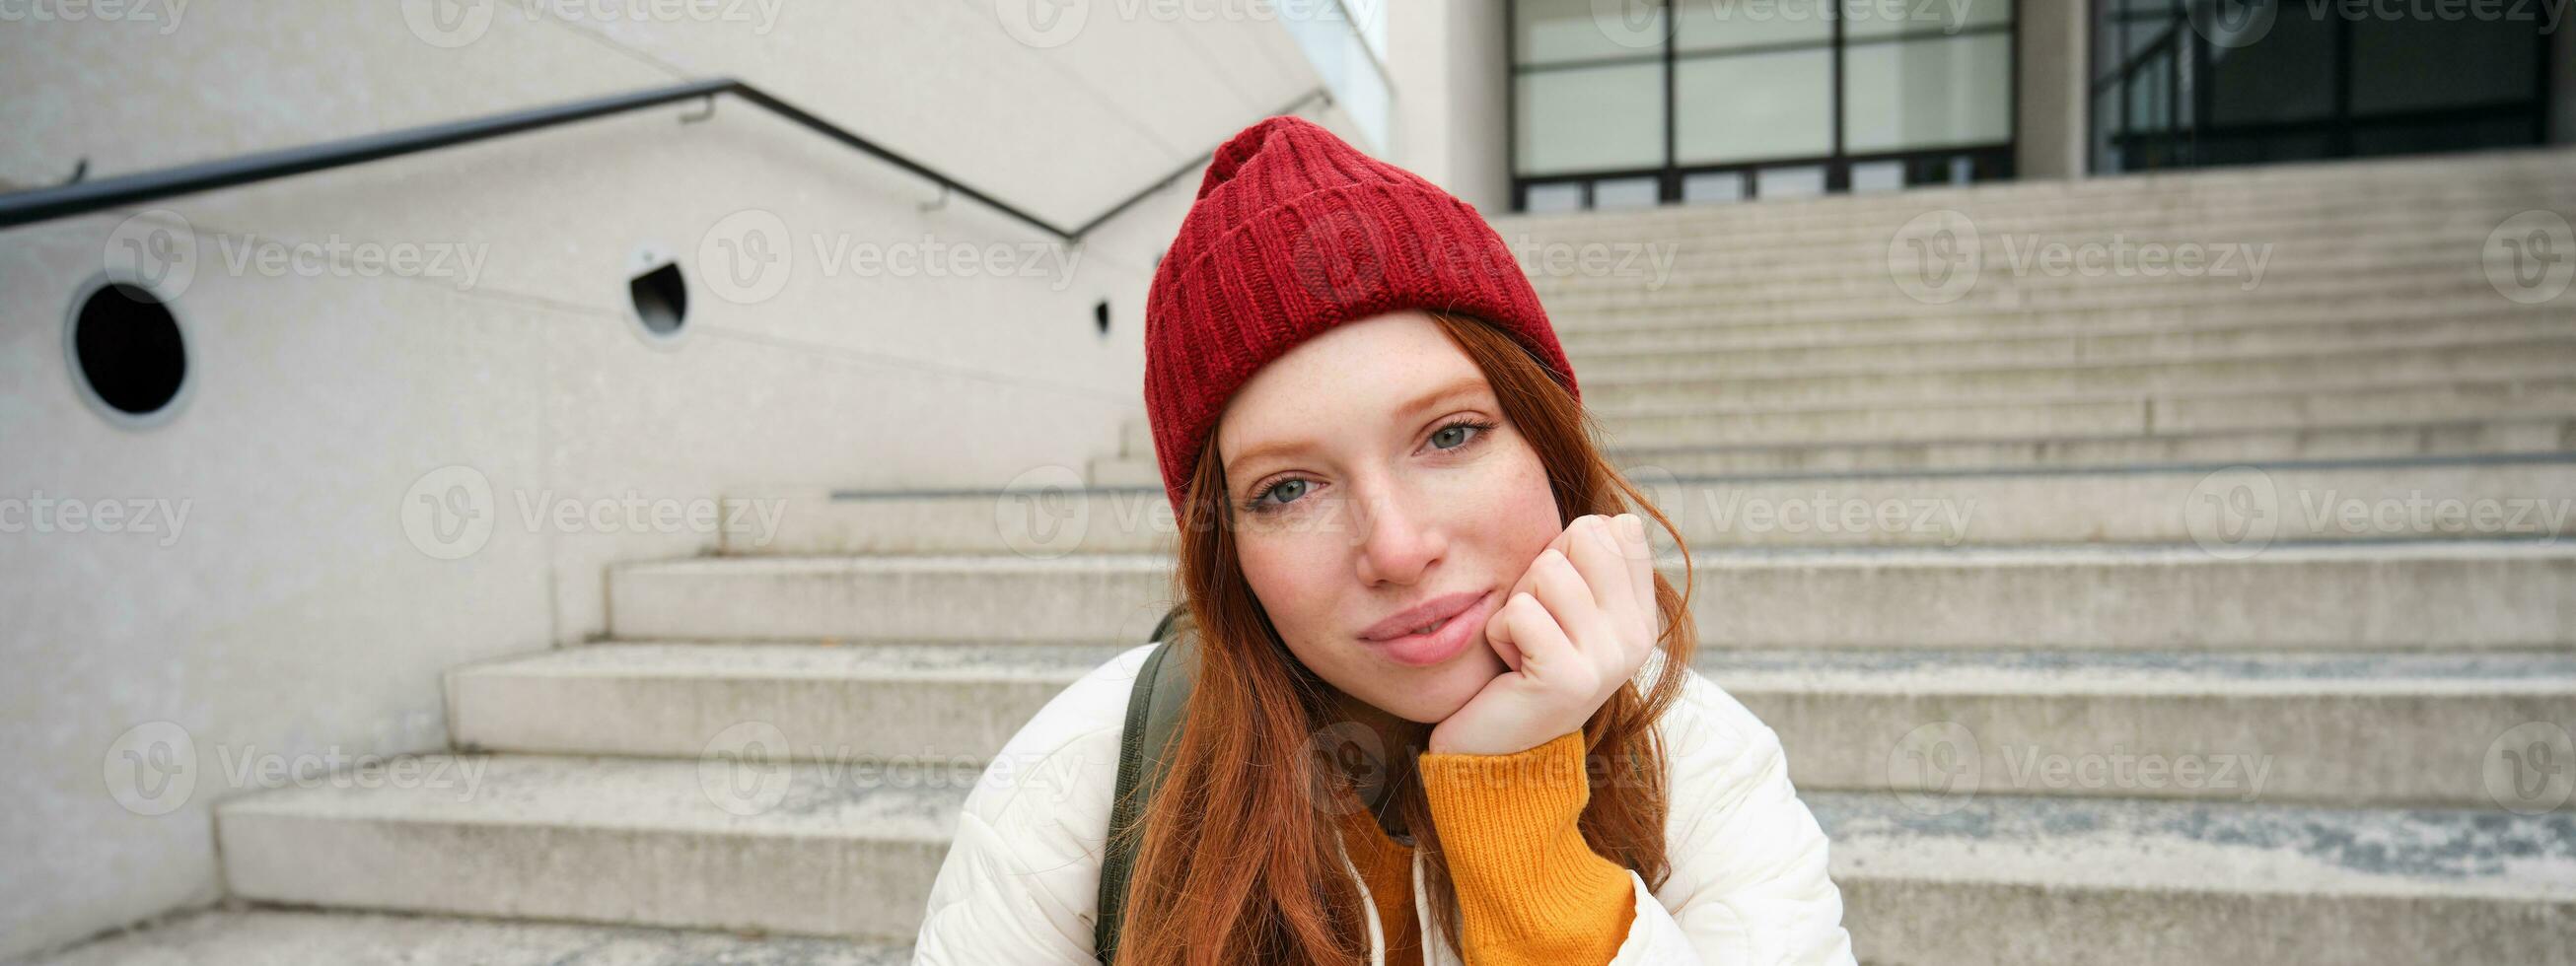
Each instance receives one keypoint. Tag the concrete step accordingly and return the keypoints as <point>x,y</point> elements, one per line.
<point>2269,727</point>
<point>2388,236</point>
<point>725,843</point>
<point>2273,727</point>
<point>2449,594</point>
<point>2135,414</point>
<point>1136,439</point>
<point>1798,228</point>
<point>1676,357</point>
<point>1122,471</point>
<point>2457,291</point>
<point>2309,190</point>
<point>2274,372</point>
<point>2175,253</point>
<point>646,842</point>
<point>2078,880</point>
<point>927,704</point>
<point>2286,188</point>
<point>1995,287</point>
<point>2140,505</point>
<point>2468,439</point>
<point>272,937</point>
<point>1704,332</point>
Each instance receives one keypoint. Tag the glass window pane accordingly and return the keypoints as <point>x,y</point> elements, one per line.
<point>1626,193</point>
<point>2402,65</point>
<point>1928,92</point>
<point>1803,181</point>
<point>1712,187</point>
<point>1863,19</point>
<point>2106,131</point>
<point>1555,197</point>
<point>1753,106</point>
<point>1555,31</point>
<point>1877,176</point>
<point>1591,118</point>
<point>1705,25</point>
<point>2288,75</point>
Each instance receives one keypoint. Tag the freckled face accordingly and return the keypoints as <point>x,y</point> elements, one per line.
<point>1369,469</point>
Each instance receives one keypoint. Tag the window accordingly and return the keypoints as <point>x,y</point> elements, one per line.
<point>1713,101</point>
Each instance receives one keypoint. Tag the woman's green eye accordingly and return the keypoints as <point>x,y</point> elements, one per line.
<point>1445,431</point>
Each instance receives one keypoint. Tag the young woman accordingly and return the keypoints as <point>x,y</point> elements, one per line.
<point>1443,711</point>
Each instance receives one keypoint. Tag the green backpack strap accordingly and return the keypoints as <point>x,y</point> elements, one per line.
<point>1153,718</point>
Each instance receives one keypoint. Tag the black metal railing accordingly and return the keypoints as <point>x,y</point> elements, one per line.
<point>81,197</point>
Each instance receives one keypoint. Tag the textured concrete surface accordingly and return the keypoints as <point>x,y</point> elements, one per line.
<point>2384,500</point>
<point>2463,594</point>
<point>278,937</point>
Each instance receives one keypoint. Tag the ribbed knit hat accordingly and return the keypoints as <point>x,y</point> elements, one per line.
<point>1293,232</point>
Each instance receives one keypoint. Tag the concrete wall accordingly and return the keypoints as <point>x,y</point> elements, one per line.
<point>306,602</point>
<point>1452,81</point>
<point>2055,75</point>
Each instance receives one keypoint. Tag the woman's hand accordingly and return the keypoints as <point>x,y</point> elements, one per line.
<point>1575,628</point>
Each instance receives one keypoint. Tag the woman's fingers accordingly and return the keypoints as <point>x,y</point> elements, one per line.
<point>1500,634</point>
<point>1569,599</point>
<point>1641,570</point>
<point>1535,632</point>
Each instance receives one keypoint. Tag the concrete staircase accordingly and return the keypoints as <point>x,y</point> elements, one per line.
<point>2121,618</point>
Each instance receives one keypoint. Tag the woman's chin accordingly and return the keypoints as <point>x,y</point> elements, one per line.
<point>1439,692</point>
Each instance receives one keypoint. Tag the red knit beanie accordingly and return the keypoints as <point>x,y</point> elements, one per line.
<point>1295,231</point>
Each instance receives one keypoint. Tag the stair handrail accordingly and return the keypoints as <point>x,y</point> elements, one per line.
<point>85,196</point>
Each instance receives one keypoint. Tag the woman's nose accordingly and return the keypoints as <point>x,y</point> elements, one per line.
<point>1397,541</point>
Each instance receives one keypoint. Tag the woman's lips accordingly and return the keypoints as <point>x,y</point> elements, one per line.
<point>1444,642</point>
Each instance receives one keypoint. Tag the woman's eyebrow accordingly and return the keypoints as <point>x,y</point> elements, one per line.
<point>1452,390</point>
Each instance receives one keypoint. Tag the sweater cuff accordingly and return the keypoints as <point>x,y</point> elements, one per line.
<point>1529,888</point>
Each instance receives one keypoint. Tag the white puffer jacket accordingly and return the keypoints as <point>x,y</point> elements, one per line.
<point>1021,882</point>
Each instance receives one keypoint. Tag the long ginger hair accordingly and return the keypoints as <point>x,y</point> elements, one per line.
<point>1239,859</point>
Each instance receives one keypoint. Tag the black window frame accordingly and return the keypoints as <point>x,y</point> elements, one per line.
<point>2178,146</point>
<point>1988,161</point>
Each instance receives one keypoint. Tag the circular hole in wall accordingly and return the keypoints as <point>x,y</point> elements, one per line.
<point>127,354</point>
<point>661,300</point>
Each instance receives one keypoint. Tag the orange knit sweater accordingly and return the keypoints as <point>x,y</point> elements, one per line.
<point>1530,890</point>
